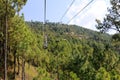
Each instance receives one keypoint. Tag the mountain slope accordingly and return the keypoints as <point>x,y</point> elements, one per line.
<point>69,30</point>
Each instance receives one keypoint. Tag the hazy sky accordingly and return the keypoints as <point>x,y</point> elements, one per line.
<point>56,8</point>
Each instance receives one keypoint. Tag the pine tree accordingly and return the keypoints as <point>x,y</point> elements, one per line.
<point>112,19</point>
<point>7,11</point>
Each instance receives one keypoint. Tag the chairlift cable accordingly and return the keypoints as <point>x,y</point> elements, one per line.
<point>80,11</point>
<point>67,10</point>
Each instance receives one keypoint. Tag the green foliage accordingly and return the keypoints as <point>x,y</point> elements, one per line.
<point>22,38</point>
<point>114,75</point>
<point>73,76</point>
<point>74,54</point>
<point>116,37</point>
<point>42,75</point>
<point>112,19</point>
<point>102,74</point>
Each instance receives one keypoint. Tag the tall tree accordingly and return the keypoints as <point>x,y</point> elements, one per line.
<point>112,19</point>
<point>8,10</point>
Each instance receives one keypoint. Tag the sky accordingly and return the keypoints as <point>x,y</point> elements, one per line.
<point>34,10</point>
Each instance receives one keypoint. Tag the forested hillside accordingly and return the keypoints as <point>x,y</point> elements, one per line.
<point>69,30</point>
<point>73,52</point>
<point>77,53</point>
<point>54,51</point>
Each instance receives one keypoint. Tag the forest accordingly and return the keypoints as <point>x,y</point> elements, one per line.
<point>32,50</point>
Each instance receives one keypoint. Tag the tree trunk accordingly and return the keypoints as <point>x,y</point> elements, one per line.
<point>23,69</point>
<point>57,69</point>
<point>5,43</point>
<point>14,63</point>
<point>5,53</point>
<point>18,61</point>
<point>57,73</point>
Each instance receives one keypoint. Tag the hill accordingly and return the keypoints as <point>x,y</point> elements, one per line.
<point>65,52</point>
<point>77,53</point>
<point>69,30</point>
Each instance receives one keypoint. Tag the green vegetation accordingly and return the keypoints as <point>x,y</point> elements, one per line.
<point>73,52</point>
<point>112,19</point>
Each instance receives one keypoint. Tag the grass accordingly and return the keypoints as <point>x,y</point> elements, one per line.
<point>30,72</point>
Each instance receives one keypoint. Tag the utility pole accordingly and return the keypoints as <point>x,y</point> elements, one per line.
<point>45,45</point>
<point>44,11</point>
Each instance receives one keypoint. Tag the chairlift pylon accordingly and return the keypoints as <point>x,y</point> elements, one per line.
<point>45,43</point>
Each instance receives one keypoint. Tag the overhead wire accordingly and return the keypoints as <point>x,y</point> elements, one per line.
<point>67,10</point>
<point>80,11</point>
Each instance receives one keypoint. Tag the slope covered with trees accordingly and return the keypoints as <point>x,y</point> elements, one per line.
<point>77,53</point>
<point>72,53</point>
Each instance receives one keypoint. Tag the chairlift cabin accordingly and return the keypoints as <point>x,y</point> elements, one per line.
<point>45,44</point>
